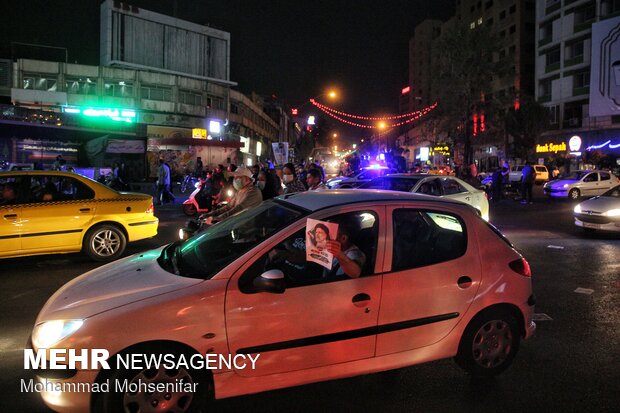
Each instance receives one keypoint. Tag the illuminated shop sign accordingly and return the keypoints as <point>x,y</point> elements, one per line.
<point>551,147</point>
<point>116,114</point>
<point>440,150</point>
<point>198,133</point>
<point>574,143</point>
<point>608,144</point>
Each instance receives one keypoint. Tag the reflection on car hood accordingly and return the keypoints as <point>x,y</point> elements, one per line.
<point>118,283</point>
<point>600,204</point>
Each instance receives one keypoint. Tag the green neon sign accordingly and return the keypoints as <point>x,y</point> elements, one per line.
<point>119,115</point>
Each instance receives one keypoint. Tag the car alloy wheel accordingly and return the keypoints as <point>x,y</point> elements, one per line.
<point>104,243</point>
<point>176,390</point>
<point>489,344</point>
<point>574,194</point>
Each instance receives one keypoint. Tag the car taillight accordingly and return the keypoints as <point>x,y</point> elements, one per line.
<point>521,266</point>
<point>150,209</point>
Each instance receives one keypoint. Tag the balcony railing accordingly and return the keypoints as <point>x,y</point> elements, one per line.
<point>552,67</point>
<point>583,90</point>
<point>545,41</point>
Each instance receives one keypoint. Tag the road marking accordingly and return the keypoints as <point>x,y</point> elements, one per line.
<point>555,247</point>
<point>541,317</point>
<point>587,291</point>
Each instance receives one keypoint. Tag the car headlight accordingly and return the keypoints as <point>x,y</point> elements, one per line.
<point>565,186</point>
<point>577,209</point>
<point>49,333</point>
<point>613,213</point>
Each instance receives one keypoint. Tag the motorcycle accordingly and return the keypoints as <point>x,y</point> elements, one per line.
<point>200,200</point>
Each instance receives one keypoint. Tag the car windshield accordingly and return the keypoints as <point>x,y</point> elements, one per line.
<point>205,254</point>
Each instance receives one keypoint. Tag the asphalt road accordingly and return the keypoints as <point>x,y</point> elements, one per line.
<point>572,364</point>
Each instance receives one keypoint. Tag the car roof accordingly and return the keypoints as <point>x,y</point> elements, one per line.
<point>315,200</point>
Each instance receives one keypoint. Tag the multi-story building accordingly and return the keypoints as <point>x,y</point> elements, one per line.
<point>148,100</point>
<point>577,76</point>
<point>513,21</point>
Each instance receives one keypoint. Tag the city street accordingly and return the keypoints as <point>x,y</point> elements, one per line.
<point>570,365</point>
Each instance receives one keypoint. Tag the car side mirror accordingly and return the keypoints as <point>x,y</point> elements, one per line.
<point>271,281</point>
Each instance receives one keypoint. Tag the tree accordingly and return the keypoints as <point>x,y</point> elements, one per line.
<point>465,64</point>
<point>525,125</point>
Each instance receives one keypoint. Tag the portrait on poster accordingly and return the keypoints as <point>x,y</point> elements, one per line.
<point>319,232</point>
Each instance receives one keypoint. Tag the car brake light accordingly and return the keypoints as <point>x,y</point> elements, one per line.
<point>150,209</point>
<point>521,266</point>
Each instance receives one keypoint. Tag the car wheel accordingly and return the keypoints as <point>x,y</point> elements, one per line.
<point>104,243</point>
<point>574,194</point>
<point>489,344</point>
<point>345,187</point>
<point>189,210</point>
<point>130,392</point>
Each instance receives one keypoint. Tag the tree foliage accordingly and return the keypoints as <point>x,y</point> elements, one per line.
<point>525,125</point>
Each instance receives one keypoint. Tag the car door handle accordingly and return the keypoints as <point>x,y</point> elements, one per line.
<point>360,297</point>
<point>464,282</point>
<point>10,216</point>
<point>84,209</point>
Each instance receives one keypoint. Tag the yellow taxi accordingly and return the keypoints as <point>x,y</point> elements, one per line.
<point>44,212</point>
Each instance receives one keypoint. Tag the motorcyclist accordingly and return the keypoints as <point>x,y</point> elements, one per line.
<point>247,196</point>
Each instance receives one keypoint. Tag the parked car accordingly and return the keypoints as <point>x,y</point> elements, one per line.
<point>541,173</point>
<point>601,212</point>
<point>47,212</point>
<point>581,183</point>
<point>357,178</point>
<point>447,187</point>
<point>447,284</point>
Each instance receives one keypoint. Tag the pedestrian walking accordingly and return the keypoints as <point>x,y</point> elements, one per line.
<point>163,183</point>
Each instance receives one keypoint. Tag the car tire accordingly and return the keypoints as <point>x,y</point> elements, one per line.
<point>345,187</point>
<point>574,194</point>
<point>183,401</point>
<point>189,210</point>
<point>489,344</point>
<point>104,243</point>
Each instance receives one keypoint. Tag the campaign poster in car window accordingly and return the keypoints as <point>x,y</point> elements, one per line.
<point>317,235</point>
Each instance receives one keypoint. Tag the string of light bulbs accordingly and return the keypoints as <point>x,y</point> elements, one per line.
<point>359,125</point>
<point>349,115</point>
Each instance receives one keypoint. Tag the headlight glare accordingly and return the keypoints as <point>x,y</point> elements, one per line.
<point>613,213</point>
<point>49,333</point>
<point>565,186</point>
<point>578,209</point>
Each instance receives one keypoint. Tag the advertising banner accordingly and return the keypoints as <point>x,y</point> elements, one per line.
<point>280,152</point>
<point>605,69</point>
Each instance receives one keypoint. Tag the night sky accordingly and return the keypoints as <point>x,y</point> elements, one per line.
<point>294,49</point>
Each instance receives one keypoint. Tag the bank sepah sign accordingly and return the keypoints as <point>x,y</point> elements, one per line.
<point>551,147</point>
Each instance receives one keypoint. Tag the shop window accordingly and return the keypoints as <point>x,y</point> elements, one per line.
<point>118,88</point>
<point>39,82</point>
<point>156,93</point>
<point>80,86</point>
<point>190,98</point>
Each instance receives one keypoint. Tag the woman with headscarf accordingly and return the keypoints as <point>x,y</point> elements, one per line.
<point>291,183</point>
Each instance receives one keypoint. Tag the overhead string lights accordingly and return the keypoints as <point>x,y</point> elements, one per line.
<point>338,115</point>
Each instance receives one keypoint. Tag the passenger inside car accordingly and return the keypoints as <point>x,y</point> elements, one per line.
<point>8,194</point>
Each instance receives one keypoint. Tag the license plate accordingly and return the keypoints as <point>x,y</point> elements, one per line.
<point>590,225</point>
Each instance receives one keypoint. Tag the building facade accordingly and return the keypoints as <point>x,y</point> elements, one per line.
<point>577,77</point>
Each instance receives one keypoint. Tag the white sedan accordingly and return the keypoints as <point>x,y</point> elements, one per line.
<point>601,212</point>
<point>443,186</point>
<point>581,184</point>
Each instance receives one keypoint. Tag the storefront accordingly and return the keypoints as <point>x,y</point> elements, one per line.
<point>587,150</point>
